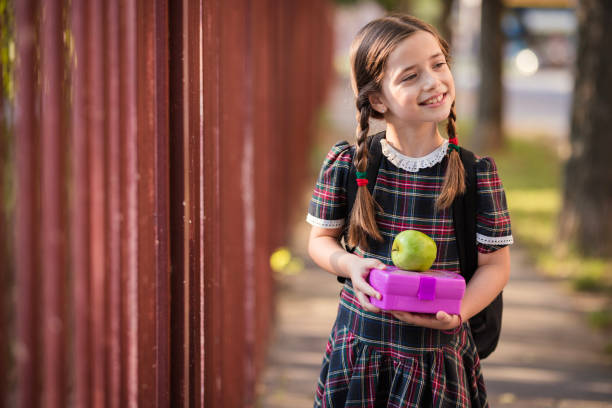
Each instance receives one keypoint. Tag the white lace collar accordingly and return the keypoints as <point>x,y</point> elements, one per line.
<point>413,164</point>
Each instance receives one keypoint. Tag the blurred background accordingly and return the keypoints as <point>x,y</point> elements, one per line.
<point>156,164</point>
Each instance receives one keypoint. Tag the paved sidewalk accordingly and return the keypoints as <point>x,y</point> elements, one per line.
<point>547,358</point>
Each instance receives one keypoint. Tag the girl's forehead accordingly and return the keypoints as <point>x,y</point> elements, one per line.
<point>416,49</point>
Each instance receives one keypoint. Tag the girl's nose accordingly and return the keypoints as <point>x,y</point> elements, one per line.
<point>430,81</point>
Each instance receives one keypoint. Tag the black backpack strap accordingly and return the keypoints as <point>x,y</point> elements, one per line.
<point>464,218</point>
<point>374,160</point>
<point>486,325</point>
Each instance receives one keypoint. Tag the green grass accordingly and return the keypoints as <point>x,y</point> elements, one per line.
<point>601,319</point>
<point>531,172</point>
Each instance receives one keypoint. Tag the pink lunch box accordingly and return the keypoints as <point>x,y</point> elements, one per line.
<point>418,292</point>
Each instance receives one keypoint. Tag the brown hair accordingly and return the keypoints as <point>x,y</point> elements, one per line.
<point>369,52</point>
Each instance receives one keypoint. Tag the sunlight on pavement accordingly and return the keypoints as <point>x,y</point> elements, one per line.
<point>521,374</point>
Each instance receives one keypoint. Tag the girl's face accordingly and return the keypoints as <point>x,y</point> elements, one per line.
<point>416,77</point>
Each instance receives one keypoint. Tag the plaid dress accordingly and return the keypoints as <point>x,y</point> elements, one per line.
<point>374,359</point>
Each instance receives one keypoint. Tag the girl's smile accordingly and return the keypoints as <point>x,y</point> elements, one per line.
<point>435,101</point>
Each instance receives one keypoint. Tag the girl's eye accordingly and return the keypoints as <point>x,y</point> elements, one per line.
<point>409,78</point>
<point>439,64</point>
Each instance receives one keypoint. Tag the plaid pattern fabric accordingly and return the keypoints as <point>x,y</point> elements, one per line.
<point>374,360</point>
<point>407,199</point>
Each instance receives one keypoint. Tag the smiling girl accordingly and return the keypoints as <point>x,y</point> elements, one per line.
<point>375,358</point>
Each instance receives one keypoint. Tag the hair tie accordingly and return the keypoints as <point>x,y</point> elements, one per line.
<point>361,178</point>
<point>453,143</point>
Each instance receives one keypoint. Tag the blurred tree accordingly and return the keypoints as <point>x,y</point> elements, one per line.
<point>488,131</point>
<point>445,24</point>
<point>585,218</point>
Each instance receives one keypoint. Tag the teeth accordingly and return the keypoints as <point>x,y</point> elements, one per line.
<point>434,100</point>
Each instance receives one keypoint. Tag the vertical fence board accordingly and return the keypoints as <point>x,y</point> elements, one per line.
<point>153,239</point>
<point>263,119</point>
<point>52,236</point>
<point>211,202</point>
<point>179,203</point>
<point>113,210</point>
<point>96,184</point>
<point>129,201</point>
<point>248,176</point>
<point>232,127</point>
<point>162,206</point>
<point>27,257</point>
<point>193,97</point>
<point>146,148</point>
<point>80,204</point>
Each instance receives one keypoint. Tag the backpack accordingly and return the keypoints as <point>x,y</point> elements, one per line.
<point>486,325</point>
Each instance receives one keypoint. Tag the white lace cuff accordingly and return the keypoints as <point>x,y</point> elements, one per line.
<point>413,164</point>
<point>319,222</point>
<point>483,239</point>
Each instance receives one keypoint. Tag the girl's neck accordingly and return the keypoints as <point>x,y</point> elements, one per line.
<point>414,141</point>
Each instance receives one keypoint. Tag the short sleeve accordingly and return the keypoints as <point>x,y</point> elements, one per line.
<point>327,208</point>
<point>492,217</point>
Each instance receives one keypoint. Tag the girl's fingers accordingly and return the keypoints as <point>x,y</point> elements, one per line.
<point>363,286</point>
<point>421,319</point>
<point>405,317</point>
<point>443,316</point>
<point>377,265</point>
<point>440,320</point>
<point>413,318</point>
<point>364,302</point>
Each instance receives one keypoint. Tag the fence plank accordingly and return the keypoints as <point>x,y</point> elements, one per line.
<point>129,201</point>
<point>28,252</point>
<point>211,203</point>
<point>52,229</point>
<point>113,166</point>
<point>153,214</point>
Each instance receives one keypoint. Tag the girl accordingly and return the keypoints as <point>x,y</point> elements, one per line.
<point>374,358</point>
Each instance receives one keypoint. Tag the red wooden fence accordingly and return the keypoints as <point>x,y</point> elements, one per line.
<point>159,147</point>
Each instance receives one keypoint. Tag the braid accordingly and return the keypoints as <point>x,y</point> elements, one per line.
<point>363,219</point>
<point>451,130</point>
<point>454,178</point>
<point>361,155</point>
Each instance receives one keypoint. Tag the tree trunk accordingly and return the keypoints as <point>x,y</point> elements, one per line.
<point>446,26</point>
<point>488,130</point>
<point>586,216</point>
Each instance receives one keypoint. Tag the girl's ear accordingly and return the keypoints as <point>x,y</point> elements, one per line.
<point>377,103</point>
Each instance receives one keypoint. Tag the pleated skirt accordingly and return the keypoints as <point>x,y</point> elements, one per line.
<point>376,360</point>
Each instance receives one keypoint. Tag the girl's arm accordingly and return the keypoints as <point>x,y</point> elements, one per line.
<point>489,279</point>
<point>325,251</point>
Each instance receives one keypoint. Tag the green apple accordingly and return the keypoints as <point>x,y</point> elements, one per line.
<point>413,251</point>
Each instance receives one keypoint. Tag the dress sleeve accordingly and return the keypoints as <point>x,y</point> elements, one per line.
<point>327,208</point>
<point>492,217</point>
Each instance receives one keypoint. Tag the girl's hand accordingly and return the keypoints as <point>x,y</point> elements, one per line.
<point>440,321</point>
<point>359,269</point>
